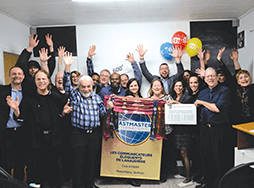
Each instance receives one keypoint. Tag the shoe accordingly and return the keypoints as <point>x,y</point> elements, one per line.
<point>94,186</point>
<point>197,177</point>
<point>163,179</point>
<point>178,176</point>
<point>200,180</point>
<point>34,185</point>
<point>204,185</point>
<point>185,184</point>
<point>135,183</point>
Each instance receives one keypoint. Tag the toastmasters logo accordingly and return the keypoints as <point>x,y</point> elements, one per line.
<point>134,129</point>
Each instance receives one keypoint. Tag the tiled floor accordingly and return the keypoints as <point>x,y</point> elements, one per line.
<point>123,183</point>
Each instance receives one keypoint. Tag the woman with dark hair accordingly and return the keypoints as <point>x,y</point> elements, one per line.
<point>186,76</point>
<point>75,75</point>
<point>196,84</point>
<point>182,134</point>
<point>133,88</point>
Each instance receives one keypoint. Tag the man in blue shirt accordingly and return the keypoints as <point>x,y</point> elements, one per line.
<point>12,130</point>
<point>114,87</point>
<point>87,109</point>
<point>214,121</point>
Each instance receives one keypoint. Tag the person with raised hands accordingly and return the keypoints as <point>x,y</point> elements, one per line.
<point>30,67</point>
<point>104,74</point>
<point>87,109</point>
<point>224,74</point>
<point>163,69</point>
<point>137,72</point>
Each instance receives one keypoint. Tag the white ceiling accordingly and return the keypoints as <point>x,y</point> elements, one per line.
<point>65,12</point>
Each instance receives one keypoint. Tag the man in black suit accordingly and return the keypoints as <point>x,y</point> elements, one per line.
<point>13,138</point>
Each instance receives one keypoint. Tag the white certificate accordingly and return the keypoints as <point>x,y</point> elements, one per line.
<point>185,114</point>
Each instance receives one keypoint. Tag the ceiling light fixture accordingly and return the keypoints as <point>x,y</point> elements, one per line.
<point>95,0</point>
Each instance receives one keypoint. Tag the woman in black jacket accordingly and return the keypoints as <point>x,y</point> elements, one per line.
<point>182,133</point>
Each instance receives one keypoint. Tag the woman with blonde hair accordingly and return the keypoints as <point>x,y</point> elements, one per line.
<point>244,103</point>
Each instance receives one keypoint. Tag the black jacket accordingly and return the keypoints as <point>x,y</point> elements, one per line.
<point>5,90</point>
<point>56,104</point>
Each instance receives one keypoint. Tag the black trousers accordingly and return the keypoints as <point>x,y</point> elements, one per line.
<point>168,157</point>
<point>44,165</point>
<point>215,152</point>
<point>14,151</point>
<point>84,147</point>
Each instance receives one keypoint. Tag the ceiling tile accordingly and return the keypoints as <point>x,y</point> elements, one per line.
<point>172,3</point>
<point>195,2</point>
<point>46,12</point>
<point>60,6</point>
<point>217,2</point>
<point>83,6</point>
<point>105,5</point>
<point>150,4</point>
<point>240,2</point>
<point>109,13</point>
<point>214,9</point>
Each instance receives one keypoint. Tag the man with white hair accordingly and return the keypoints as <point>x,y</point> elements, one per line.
<point>87,109</point>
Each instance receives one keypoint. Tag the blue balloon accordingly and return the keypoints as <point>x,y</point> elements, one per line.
<point>166,49</point>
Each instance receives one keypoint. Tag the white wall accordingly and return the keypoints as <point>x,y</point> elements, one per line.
<point>246,54</point>
<point>13,38</point>
<point>114,41</point>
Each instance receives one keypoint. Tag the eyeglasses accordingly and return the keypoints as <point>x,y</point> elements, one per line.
<point>211,76</point>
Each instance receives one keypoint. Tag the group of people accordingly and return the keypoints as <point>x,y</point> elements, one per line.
<point>56,130</point>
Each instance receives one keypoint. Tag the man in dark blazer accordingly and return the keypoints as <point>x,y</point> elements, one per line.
<point>12,130</point>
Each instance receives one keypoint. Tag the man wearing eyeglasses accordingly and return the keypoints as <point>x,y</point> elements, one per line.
<point>214,104</point>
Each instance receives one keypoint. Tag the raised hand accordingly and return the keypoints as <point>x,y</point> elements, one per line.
<point>61,51</point>
<point>44,55</point>
<point>91,51</point>
<point>68,59</point>
<point>49,40</point>
<point>200,72</point>
<point>201,54</point>
<point>67,109</point>
<point>141,50</point>
<point>220,53</point>
<point>33,42</point>
<point>177,53</point>
<point>130,57</point>
<point>234,55</point>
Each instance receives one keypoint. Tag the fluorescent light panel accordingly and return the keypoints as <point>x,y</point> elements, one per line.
<point>95,0</point>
